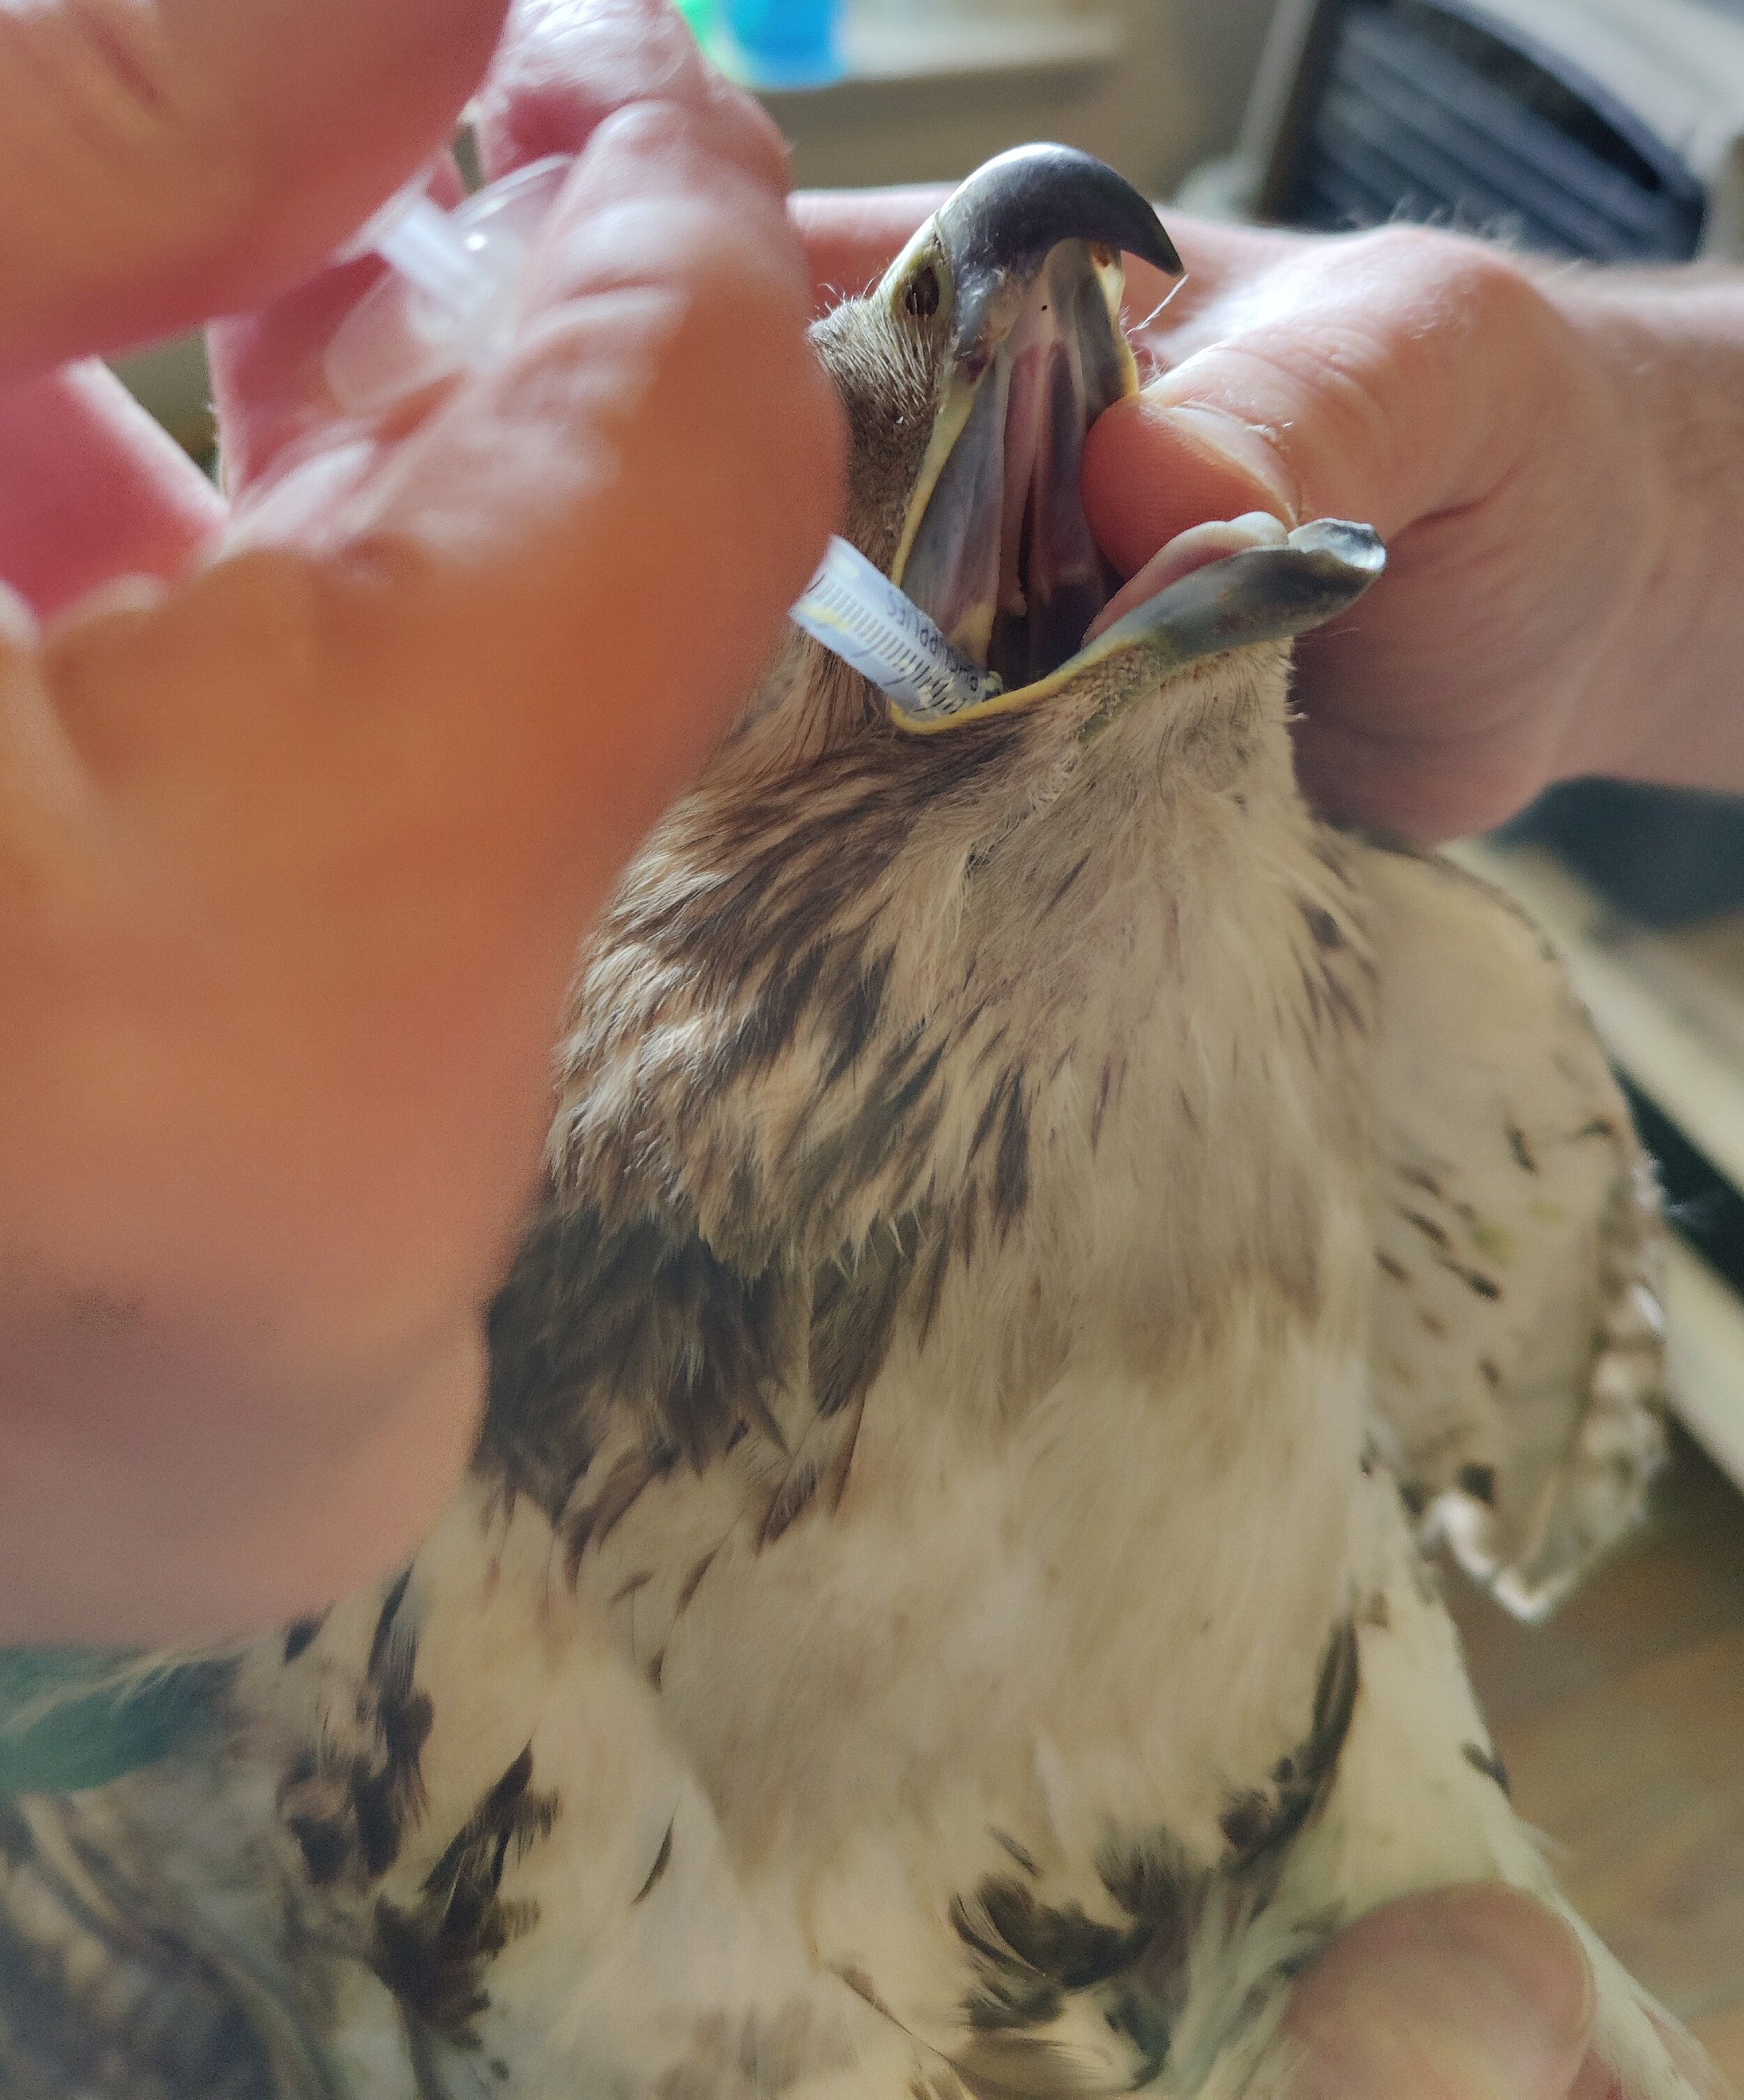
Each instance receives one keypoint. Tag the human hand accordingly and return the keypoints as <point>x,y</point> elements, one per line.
<point>161,163</point>
<point>1476,1993</point>
<point>1555,458</point>
<point>166,162</point>
<point>298,850</point>
<point>1434,388</point>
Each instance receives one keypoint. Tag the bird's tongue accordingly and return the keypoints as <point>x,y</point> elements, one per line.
<point>1052,581</point>
<point>1003,558</point>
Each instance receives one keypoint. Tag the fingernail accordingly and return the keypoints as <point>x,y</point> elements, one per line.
<point>1229,441</point>
<point>1480,1992</point>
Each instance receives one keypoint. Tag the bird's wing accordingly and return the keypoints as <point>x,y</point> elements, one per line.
<point>114,1985</point>
<point>1518,1353</point>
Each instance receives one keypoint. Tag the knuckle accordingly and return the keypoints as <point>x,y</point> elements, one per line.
<point>145,154</point>
<point>745,377</point>
<point>724,131</point>
<point>1429,254</point>
<point>1411,343</point>
<point>1426,284</point>
<point>746,130</point>
<point>1400,248</point>
<point>1442,295</point>
<point>102,65</point>
<point>717,330</point>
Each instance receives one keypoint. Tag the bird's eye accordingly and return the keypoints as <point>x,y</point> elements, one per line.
<point>922,296</point>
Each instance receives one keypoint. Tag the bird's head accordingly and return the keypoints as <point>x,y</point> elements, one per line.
<point>859,928</point>
<point>970,374</point>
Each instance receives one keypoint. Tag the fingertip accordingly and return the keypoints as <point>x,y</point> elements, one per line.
<point>1481,1991</point>
<point>1151,471</point>
<point>1596,2083</point>
<point>1364,758</point>
<point>1419,793</point>
<point>1506,1931</point>
<point>93,489</point>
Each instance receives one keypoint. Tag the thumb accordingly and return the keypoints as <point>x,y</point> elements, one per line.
<point>1427,386</point>
<point>163,160</point>
<point>1477,1993</point>
<point>1385,377</point>
<point>1155,465</point>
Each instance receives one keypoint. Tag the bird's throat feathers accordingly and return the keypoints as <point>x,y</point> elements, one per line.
<point>1074,1020</point>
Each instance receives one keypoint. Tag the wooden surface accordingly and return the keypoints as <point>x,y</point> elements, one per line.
<point>1621,1723</point>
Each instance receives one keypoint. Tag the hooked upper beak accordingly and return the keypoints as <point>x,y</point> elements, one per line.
<point>1019,273</point>
<point>999,230</point>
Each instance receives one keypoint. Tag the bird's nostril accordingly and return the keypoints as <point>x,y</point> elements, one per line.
<point>922,296</point>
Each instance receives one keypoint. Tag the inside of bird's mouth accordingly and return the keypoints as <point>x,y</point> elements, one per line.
<point>1000,553</point>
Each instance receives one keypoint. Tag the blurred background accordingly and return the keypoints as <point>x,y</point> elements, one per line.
<point>872,91</point>
<point>1607,129</point>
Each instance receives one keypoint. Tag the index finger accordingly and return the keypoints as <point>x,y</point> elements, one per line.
<point>562,68</point>
<point>91,487</point>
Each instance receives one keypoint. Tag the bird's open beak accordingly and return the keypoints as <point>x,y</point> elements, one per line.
<point>1021,269</point>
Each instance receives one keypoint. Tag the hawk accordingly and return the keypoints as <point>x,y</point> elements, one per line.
<point>1039,1228</point>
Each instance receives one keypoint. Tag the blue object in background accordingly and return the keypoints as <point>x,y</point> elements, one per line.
<point>700,14</point>
<point>785,43</point>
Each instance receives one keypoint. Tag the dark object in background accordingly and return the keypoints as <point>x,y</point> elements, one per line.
<point>1699,1199</point>
<point>1662,855</point>
<point>1438,112</point>
<point>1432,110</point>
